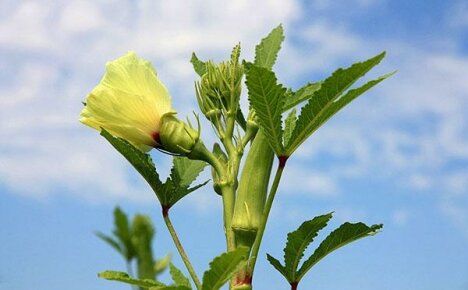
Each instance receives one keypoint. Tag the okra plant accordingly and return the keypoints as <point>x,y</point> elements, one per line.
<point>133,241</point>
<point>132,109</point>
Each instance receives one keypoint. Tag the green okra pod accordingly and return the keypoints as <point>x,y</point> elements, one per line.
<point>252,191</point>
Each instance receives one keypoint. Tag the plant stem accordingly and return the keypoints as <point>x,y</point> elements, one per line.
<point>181,250</point>
<point>269,202</point>
<point>294,285</point>
<point>228,193</point>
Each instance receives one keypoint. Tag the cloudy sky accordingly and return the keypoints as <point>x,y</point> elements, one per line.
<point>397,155</point>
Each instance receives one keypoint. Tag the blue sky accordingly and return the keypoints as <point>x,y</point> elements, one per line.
<point>398,155</point>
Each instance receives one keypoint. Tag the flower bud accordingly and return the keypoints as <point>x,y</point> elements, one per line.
<point>218,152</point>
<point>220,87</point>
<point>177,137</point>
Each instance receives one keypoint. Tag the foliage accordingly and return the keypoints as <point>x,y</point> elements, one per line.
<point>300,239</point>
<point>280,119</point>
<point>133,240</point>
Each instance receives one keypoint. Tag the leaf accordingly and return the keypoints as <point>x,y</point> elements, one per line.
<point>267,99</point>
<point>301,95</point>
<point>123,232</point>
<point>198,65</point>
<point>267,50</point>
<point>289,125</point>
<point>348,98</point>
<point>109,240</point>
<point>161,265</point>
<point>125,278</point>
<point>170,288</point>
<point>322,105</point>
<point>240,119</point>
<point>178,277</point>
<point>299,240</point>
<point>342,236</point>
<point>277,264</point>
<point>185,171</point>
<point>223,267</point>
<point>143,234</point>
<point>142,162</point>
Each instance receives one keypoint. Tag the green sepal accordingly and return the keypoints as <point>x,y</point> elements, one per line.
<point>125,278</point>
<point>223,267</point>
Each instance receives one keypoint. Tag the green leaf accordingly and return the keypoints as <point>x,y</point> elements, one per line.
<point>299,240</point>
<point>267,99</point>
<point>170,288</point>
<point>277,264</point>
<point>113,243</point>
<point>123,232</point>
<point>267,50</point>
<point>161,265</point>
<point>342,236</point>
<point>143,233</point>
<point>198,65</point>
<point>178,277</point>
<point>240,119</point>
<point>289,125</point>
<point>142,162</point>
<point>325,102</point>
<point>223,267</point>
<point>348,98</point>
<point>185,171</point>
<point>301,95</point>
<point>125,278</point>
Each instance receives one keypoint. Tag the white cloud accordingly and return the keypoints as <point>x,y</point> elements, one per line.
<point>55,53</point>
<point>306,182</point>
<point>408,130</point>
<point>400,217</point>
<point>334,4</point>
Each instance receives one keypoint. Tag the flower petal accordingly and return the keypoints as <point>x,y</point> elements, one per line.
<point>128,102</point>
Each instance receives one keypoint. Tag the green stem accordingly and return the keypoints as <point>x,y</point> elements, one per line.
<point>269,203</point>
<point>181,250</point>
<point>228,193</point>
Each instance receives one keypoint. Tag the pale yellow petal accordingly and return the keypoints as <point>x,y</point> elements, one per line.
<point>128,102</point>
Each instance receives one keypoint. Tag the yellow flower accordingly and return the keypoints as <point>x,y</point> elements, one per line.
<point>129,102</point>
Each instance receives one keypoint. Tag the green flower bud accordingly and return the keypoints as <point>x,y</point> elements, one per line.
<point>177,137</point>
<point>218,152</point>
<point>220,87</point>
